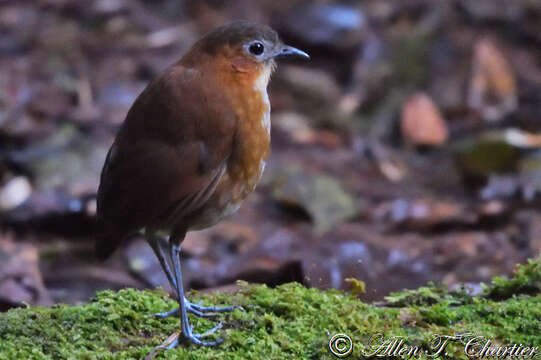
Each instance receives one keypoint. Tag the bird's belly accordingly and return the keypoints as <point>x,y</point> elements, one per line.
<point>227,198</point>
<point>244,168</point>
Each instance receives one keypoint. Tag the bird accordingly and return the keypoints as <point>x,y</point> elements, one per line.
<point>192,147</point>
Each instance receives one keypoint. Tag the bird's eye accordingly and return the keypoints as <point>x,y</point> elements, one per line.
<point>256,48</point>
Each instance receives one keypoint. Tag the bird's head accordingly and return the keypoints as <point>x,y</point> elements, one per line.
<point>242,47</point>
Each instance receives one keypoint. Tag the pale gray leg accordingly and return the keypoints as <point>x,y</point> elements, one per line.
<point>187,333</point>
<point>160,245</point>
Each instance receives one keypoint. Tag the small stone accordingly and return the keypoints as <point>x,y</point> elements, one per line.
<point>15,192</point>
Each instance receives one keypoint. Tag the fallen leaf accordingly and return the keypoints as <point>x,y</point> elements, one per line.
<point>333,26</point>
<point>20,277</point>
<point>493,86</point>
<point>522,139</point>
<point>421,214</point>
<point>358,287</point>
<point>479,157</point>
<point>322,197</point>
<point>407,317</point>
<point>422,123</point>
<point>172,338</point>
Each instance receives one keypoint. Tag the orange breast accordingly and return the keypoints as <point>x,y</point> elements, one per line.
<point>252,140</point>
<point>247,95</point>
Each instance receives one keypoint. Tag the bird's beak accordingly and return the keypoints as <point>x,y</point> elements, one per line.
<point>291,52</point>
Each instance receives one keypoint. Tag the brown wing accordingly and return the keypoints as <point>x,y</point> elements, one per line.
<point>168,154</point>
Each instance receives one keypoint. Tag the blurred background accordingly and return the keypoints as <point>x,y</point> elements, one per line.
<point>407,150</point>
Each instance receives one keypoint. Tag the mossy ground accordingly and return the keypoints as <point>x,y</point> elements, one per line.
<point>287,322</point>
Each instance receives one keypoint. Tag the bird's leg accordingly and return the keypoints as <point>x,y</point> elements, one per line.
<point>160,246</point>
<point>187,333</point>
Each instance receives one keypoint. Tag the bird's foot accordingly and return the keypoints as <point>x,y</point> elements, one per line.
<point>177,338</point>
<point>166,314</point>
<point>187,336</point>
<point>199,310</point>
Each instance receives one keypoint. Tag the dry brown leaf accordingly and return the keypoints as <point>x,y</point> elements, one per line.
<point>172,338</point>
<point>20,277</point>
<point>407,318</point>
<point>493,86</point>
<point>424,213</point>
<point>522,139</point>
<point>422,123</point>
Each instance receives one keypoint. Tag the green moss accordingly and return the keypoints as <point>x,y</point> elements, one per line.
<point>287,322</point>
<point>428,295</point>
<point>527,280</point>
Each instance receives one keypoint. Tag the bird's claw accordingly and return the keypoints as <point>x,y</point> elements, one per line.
<point>197,309</point>
<point>188,336</point>
<point>166,314</point>
<point>210,331</point>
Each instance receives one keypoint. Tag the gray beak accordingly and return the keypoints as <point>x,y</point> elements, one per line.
<point>291,52</point>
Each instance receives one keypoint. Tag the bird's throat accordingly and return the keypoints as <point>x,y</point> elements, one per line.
<point>252,142</point>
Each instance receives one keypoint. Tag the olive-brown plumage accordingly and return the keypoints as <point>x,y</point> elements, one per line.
<point>193,146</point>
